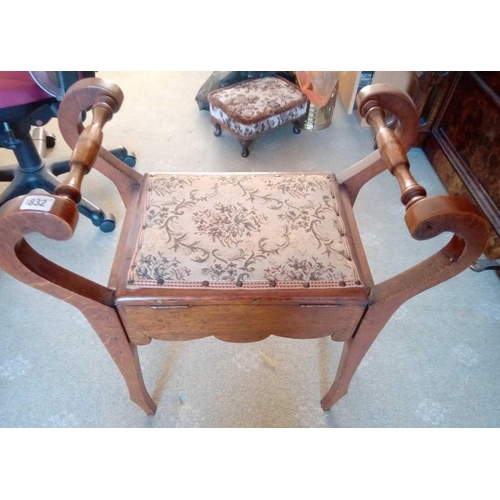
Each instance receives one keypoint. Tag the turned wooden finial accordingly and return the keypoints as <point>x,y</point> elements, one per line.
<point>87,148</point>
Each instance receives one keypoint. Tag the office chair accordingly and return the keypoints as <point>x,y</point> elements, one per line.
<point>31,99</point>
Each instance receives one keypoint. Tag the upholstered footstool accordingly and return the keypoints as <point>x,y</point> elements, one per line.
<point>251,108</point>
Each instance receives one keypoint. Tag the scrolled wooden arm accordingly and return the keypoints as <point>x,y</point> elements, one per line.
<point>105,96</point>
<point>426,219</point>
<point>22,262</point>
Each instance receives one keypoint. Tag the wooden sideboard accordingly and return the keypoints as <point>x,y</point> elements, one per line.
<point>460,135</point>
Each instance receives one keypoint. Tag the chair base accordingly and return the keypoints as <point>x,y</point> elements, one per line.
<point>43,175</point>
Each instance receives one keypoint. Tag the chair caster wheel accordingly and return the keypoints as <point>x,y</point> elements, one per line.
<point>245,153</point>
<point>50,140</point>
<point>218,130</point>
<point>130,159</point>
<point>296,129</point>
<point>108,224</point>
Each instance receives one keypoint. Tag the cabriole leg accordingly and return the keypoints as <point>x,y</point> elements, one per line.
<point>245,145</point>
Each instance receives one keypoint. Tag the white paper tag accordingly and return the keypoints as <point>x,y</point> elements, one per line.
<point>41,203</point>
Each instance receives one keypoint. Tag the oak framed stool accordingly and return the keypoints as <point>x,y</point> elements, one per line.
<point>253,107</point>
<point>198,253</point>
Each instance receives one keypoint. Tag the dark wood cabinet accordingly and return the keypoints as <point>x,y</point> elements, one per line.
<point>460,135</point>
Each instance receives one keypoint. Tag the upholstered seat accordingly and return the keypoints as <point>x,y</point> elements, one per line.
<point>247,231</point>
<point>250,108</point>
<point>18,87</point>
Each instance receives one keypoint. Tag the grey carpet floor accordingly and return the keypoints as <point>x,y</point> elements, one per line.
<point>435,364</point>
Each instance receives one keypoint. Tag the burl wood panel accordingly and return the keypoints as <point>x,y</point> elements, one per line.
<point>429,90</point>
<point>472,125</point>
<point>239,323</point>
<point>464,146</point>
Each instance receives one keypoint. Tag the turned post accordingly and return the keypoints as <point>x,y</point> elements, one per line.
<point>87,148</point>
<point>393,154</point>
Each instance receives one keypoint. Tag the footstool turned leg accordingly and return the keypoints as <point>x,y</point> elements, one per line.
<point>218,130</point>
<point>245,144</point>
<point>296,127</point>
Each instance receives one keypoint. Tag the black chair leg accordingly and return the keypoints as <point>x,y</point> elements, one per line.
<point>7,173</point>
<point>106,222</point>
<point>14,189</point>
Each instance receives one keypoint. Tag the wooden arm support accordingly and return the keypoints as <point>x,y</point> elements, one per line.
<point>425,217</point>
<point>88,145</point>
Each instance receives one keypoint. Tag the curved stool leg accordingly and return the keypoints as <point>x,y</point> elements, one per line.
<point>95,301</point>
<point>352,354</point>
<point>108,327</point>
<point>218,130</point>
<point>245,145</point>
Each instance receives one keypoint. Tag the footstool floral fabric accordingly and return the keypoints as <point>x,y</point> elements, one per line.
<point>256,231</point>
<point>250,108</point>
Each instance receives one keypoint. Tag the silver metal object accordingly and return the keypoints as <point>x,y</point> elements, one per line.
<point>486,264</point>
<point>319,118</point>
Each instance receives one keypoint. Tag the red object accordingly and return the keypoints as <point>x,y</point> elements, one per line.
<point>18,87</point>
<point>318,86</point>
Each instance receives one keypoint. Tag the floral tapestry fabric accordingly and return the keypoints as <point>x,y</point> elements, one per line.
<point>253,107</point>
<point>254,100</point>
<point>237,230</point>
<point>250,131</point>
